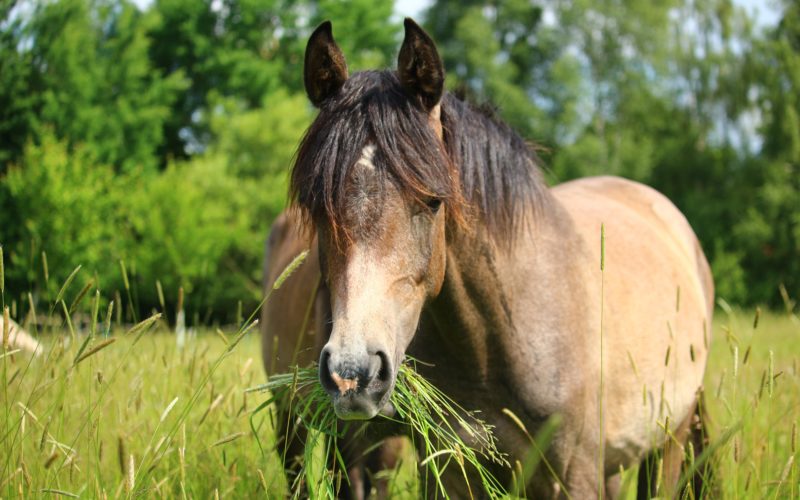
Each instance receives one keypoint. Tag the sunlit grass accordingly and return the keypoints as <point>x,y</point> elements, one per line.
<point>74,428</point>
<point>113,411</point>
<point>752,380</point>
<point>102,427</point>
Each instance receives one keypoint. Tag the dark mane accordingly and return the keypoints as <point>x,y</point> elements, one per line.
<point>484,171</point>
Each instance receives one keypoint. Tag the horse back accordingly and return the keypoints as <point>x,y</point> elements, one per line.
<point>619,198</point>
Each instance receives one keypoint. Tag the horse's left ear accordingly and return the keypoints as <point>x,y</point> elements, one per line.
<point>419,66</point>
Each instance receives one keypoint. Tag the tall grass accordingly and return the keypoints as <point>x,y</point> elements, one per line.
<point>757,393</point>
<point>122,411</point>
<point>107,415</point>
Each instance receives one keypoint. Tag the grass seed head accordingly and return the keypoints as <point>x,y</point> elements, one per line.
<point>124,275</point>
<point>6,327</point>
<point>52,458</point>
<point>130,482</point>
<point>109,312</point>
<point>66,284</point>
<point>290,269</point>
<point>78,298</point>
<point>45,268</point>
<point>771,386</point>
<point>121,455</point>
<point>160,292</point>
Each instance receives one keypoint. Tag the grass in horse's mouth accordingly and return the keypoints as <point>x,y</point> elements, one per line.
<point>448,435</point>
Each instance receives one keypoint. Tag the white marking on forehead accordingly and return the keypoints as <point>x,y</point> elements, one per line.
<point>367,154</point>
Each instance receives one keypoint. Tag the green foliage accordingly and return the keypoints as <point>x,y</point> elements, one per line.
<point>666,93</point>
<point>364,29</point>
<point>163,137</point>
<point>65,203</point>
<point>489,52</point>
<point>83,71</point>
<point>199,224</point>
<point>229,48</point>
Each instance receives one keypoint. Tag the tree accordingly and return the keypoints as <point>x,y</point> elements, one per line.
<point>82,71</point>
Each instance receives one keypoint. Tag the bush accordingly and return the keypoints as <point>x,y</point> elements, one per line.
<point>64,203</point>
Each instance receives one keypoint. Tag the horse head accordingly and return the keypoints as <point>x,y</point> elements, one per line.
<point>373,175</point>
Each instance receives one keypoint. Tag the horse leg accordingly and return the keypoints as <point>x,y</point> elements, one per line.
<point>583,479</point>
<point>647,480</point>
<point>613,484</point>
<point>358,485</point>
<point>366,451</point>
<point>362,472</point>
<point>385,457</point>
<point>674,454</point>
<point>701,481</point>
<point>290,445</point>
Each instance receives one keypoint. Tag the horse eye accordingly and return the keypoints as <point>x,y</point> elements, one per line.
<point>434,204</point>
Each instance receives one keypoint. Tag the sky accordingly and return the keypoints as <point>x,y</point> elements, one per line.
<point>766,10</point>
<point>411,8</point>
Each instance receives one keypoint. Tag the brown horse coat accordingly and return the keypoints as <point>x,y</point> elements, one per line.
<point>506,300</point>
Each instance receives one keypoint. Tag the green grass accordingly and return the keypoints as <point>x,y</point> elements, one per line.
<point>145,417</point>
<point>760,461</point>
<point>78,428</point>
<point>449,435</point>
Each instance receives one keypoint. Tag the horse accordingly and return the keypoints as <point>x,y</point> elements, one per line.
<point>20,339</point>
<point>438,238</point>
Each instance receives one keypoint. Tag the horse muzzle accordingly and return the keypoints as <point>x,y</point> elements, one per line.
<point>358,382</point>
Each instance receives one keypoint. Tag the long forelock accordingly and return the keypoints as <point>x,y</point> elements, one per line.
<point>483,169</point>
<point>370,110</point>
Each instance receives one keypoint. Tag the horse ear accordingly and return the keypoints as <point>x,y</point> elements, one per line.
<point>325,69</point>
<point>419,66</point>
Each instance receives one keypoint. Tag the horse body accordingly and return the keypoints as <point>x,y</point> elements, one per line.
<point>509,305</point>
<point>658,301</point>
<point>526,326</point>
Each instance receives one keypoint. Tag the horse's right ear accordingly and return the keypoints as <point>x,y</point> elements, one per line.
<point>325,69</point>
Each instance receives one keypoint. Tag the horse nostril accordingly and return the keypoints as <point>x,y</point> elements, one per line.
<point>325,372</point>
<point>385,370</point>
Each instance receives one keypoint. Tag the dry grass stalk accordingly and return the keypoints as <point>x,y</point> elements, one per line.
<point>94,350</point>
<point>130,482</point>
<point>228,439</point>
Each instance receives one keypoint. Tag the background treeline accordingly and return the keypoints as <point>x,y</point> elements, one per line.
<point>161,138</point>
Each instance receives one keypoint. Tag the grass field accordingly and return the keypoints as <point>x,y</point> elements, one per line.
<point>141,416</point>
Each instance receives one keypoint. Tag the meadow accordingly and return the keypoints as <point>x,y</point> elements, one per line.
<point>139,415</point>
<point>166,143</point>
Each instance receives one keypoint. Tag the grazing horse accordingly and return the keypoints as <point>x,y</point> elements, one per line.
<point>438,238</point>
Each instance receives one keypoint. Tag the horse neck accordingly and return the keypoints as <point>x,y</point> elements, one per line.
<point>467,324</point>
